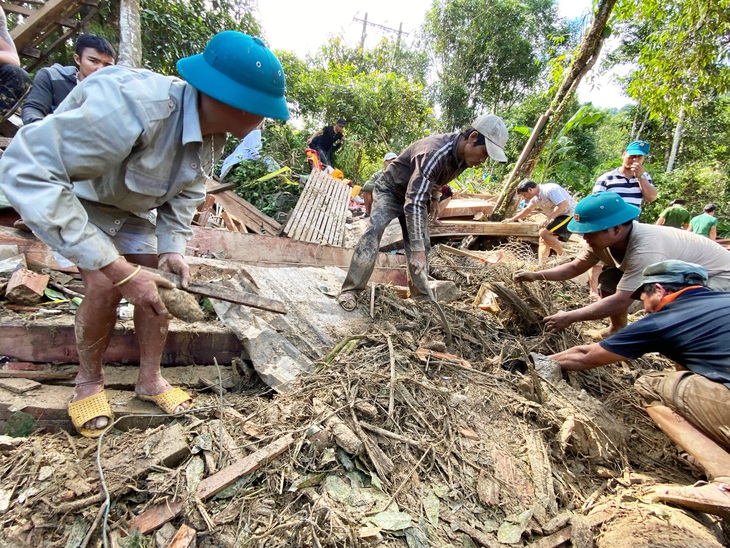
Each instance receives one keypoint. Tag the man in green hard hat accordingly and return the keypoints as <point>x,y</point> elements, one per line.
<point>88,180</point>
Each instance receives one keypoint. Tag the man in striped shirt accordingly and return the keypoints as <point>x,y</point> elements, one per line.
<point>629,181</point>
<point>409,184</point>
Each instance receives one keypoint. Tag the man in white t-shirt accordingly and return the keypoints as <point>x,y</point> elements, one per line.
<point>557,205</point>
<point>613,237</point>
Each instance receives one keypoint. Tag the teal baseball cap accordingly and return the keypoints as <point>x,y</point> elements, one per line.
<point>240,71</point>
<point>640,148</point>
<point>600,212</point>
<point>672,272</point>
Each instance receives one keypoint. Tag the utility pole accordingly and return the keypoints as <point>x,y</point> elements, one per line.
<point>364,29</point>
<point>365,24</point>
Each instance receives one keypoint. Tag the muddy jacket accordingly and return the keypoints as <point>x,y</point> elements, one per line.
<point>50,87</point>
<point>417,175</point>
<point>124,142</point>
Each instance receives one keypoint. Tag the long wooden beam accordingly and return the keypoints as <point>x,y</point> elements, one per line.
<point>468,228</point>
<point>54,341</point>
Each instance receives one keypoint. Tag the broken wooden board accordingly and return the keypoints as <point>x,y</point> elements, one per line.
<point>321,211</point>
<point>122,377</point>
<point>155,517</point>
<point>217,482</point>
<point>37,254</point>
<point>253,218</point>
<point>43,340</point>
<point>466,207</point>
<point>224,293</point>
<point>468,228</point>
<point>49,406</point>
<point>19,386</point>
<point>270,251</point>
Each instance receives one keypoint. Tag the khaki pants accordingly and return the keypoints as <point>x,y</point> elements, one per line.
<point>704,403</point>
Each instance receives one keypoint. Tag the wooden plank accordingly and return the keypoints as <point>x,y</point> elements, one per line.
<point>312,207</point>
<point>324,191</point>
<point>184,536</point>
<point>341,216</point>
<point>224,293</point>
<point>254,249</point>
<point>215,189</point>
<point>298,207</point>
<point>155,517</point>
<point>38,376</point>
<point>254,219</point>
<point>217,482</point>
<point>466,228</point>
<point>24,34</point>
<point>19,386</point>
<point>54,341</point>
<point>329,230</point>
<point>466,207</point>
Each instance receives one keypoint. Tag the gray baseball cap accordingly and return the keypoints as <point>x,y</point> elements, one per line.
<point>495,135</point>
<point>672,272</point>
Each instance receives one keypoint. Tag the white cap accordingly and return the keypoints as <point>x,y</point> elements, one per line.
<point>390,156</point>
<point>495,135</point>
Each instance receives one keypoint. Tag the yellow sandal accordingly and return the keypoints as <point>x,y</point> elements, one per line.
<point>82,411</point>
<point>168,401</point>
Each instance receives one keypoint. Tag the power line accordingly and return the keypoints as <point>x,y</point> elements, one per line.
<point>365,24</point>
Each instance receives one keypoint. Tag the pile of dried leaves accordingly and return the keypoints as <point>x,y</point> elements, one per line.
<point>394,441</point>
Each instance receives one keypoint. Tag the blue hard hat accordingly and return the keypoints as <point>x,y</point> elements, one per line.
<point>640,148</point>
<point>240,71</point>
<point>601,211</point>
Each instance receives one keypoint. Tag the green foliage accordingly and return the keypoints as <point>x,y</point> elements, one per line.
<point>385,111</point>
<point>490,54</point>
<point>281,144</point>
<point>698,183</point>
<point>680,47</point>
<point>178,28</point>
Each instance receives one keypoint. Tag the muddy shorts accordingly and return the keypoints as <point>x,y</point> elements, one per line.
<point>609,279</point>
<point>704,403</point>
<point>559,227</point>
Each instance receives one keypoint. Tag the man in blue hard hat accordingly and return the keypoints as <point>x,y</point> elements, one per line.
<point>689,324</point>
<point>124,143</point>
<point>614,237</point>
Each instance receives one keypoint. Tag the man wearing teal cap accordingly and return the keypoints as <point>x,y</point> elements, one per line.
<point>613,236</point>
<point>688,324</point>
<point>88,180</point>
<point>629,180</point>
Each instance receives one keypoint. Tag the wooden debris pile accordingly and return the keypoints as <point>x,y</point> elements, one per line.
<point>395,440</point>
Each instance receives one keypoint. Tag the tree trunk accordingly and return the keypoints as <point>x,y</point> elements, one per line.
<point>130,39</point>
<point>677,139</point>
<point>583,61</point>
<point>641,127</point>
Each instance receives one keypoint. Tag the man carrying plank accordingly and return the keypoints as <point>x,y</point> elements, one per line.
<point>122,144</point>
